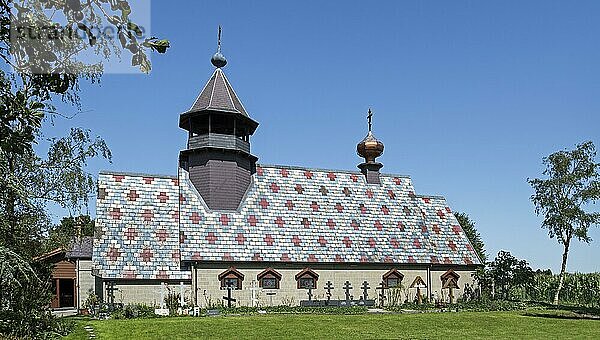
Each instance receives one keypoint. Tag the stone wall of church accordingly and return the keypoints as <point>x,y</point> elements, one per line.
<point>146,292</point>
<point>209,292</point>
<point>85,281</point>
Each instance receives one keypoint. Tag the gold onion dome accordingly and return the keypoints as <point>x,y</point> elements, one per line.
<point>370,148</point>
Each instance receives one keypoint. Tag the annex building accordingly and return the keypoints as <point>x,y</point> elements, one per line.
<point>270,232</point>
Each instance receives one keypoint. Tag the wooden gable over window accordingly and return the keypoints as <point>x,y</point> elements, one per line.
<point>269,279</point>
<point>418,283</point>
<point>450,279</point>
<point>231,277</point>
<point>393,278</point>
<point>307,278</point>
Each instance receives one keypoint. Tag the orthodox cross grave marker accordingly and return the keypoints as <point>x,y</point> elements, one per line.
<point>329,288</point>
<point>365,287</point>
<point>347,288</point>
<point>382,287</point>
<point>228,298</point>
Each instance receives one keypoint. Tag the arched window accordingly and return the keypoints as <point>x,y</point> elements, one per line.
<point>231,277</point>
<point>269,279</point>
<point>307,278</point>
<point>393,278</point>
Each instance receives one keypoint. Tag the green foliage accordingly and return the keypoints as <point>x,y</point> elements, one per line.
<point>506,272</point>
<point>572,183</point>
<point>23,299</point>
<point>62,235</point>
<point>172,301</point>
<point>578,289</point>
<point>473,235</point>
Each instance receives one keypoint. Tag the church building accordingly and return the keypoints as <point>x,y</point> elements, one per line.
<point>271,234</point>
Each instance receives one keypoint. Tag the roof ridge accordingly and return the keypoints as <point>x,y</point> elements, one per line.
<point>297,167</point>
<point>134,174</point>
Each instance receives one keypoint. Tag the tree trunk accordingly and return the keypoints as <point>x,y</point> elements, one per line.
<point>563,268</point>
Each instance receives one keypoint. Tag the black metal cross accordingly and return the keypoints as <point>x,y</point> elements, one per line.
<point>369,117</point>
<point>110,292</point>
<point>328,287</point>
<point>347,287</point>
<point>365,287</point>
<point>382,286</point>
<point>228,297</point>
<point>309,293</point>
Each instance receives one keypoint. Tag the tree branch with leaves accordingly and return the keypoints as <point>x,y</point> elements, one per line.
<point>572,183</point>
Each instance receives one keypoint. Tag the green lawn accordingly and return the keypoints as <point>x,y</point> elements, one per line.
<point>501,325</point>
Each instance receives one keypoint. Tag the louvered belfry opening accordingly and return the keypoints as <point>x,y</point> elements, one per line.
<point>218,155</point>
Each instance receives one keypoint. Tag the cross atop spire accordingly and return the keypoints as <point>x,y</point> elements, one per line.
<point>369,118</point>
<point>218,59</point>
<point>219,41</point>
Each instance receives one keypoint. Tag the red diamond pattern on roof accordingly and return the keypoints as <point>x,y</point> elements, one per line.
<point>331,176</point>
<point>224,219</point>
<point>447,260</point>
<point>448,210</point>
<point>132,196</point>
<point>279,221</point>
<point>263,203</point>
<point>146,255</point>
<point>299,189</point>
<point>393,218</point>
<point>259,171</point>
<point>115,214</point>
<point>211,238</point>
<point>181,198</point>
<point>148,180</point>
<point>312,258</point>
<point>339,258</point>
<point>426,199</point>
<point>285,257</point>
<point>252,220</point>
<point>441,214</point>
<point>130,234</point>
<point>423,229</point>
<point>274,187</point>
<point>240,238</point>
<point>354,178</point>
<point>162,197</point>
<point>296,240</point>
<point>257,257</point>
<point>330,223</point>
<point>322,241</point>
<point>452,245</point>
<point>289,204</point>
<point>118,178</point>
<point>369,193</point>
<point>113,254</point>
<point>195,218</point>
<point>147,214</point>
<point>434,259</point>
<point>175,182</point>
<point>347,242</point>
<point>162,235</point>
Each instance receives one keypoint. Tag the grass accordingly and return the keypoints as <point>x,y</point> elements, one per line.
<point>493,325</point>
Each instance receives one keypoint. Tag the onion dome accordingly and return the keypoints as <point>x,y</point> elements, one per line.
<point>218,60</point>
<point>370,147</point>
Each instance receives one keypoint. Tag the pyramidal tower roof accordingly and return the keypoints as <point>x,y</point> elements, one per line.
<point>218,95</point>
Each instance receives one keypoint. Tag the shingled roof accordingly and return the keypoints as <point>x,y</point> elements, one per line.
<point>218,95</point>
<point>150,224</point>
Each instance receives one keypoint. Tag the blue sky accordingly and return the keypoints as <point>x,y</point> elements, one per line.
<point>468,96</point>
